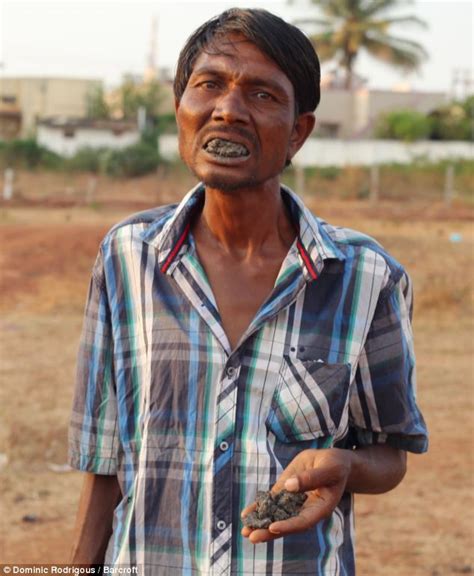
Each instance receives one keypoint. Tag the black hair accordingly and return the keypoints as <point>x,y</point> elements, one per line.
<point>284,43</point>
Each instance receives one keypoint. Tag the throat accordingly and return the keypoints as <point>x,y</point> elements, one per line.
<point>246,230</point>
<point>239,290</point>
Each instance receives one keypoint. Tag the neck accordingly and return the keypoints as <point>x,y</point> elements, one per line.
<point>246,223</point>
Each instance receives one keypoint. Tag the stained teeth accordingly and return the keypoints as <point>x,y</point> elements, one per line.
<point>226,148</point>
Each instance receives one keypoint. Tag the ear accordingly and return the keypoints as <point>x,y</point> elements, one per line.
<point>302,128</point>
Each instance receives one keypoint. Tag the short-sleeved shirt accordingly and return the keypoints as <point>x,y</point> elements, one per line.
<point>193,428</point>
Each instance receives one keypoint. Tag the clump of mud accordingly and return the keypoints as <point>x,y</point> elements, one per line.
<point>274,507</point>
<point>226,148</point>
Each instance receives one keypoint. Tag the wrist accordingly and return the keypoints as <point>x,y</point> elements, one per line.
<point>350,463</point>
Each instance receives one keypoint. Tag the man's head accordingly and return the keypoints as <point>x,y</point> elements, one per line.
<point>283,43</point>
<point>246,87</point>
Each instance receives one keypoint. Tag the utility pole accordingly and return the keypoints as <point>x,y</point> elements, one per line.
<point>151,72</point>
<point>462,83</point>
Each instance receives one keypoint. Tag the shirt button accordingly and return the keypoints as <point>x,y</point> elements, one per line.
<point>224,446</point>
<point>230,372</point>
<point>221,524</point>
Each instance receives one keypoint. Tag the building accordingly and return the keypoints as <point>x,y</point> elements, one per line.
<point>66,136</point>
<point>23,101</point>
<point>354,113</point>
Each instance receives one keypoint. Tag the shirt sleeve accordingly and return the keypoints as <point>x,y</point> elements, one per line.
<point>383,406</point>
<point>93,430</point>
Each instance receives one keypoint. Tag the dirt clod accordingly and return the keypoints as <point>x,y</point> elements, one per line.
<point>274,507</point>
<point>30,518</point>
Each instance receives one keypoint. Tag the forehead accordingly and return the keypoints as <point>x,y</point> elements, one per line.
<point>235,54</point>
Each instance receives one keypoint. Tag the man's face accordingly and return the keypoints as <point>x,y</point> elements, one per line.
<point>236,118</point>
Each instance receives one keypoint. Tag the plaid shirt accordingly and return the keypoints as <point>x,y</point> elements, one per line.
<point>193,428</point>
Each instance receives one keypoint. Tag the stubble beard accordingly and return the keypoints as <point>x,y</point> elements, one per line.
<point>229,185</point>
<point>225,185</point>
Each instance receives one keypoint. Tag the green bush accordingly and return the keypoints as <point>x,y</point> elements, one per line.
<point>406,125</point>
<point>167,124</point>
<point>453,122</point>
<point>132,161</point>
<point>86,160</point>
<point>136,160</point>
<point>329,172</point>
<point>27,154</point>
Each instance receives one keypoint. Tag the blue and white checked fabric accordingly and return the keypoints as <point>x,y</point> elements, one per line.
<point>193,429</point>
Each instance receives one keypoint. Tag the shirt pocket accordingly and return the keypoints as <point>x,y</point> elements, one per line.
<point>309,399</point>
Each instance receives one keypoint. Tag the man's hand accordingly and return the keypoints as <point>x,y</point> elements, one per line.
<point>325,475</point>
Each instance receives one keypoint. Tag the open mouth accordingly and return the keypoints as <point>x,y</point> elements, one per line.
<point>226,148</point>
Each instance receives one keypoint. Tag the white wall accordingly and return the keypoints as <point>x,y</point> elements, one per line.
<point>367,152</point>
<point>326,152</point>
<point>54,139</point>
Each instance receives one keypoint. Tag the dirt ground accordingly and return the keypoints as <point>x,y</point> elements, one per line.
<point>47,247</point>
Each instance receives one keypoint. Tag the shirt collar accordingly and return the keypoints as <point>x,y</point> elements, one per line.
<point>169,234</point>
<point>313,243</point>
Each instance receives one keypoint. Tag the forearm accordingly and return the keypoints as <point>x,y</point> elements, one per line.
<point>375,469</point>
<point>99,497</point>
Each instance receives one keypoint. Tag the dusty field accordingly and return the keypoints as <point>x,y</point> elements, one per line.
<point>424,527</point>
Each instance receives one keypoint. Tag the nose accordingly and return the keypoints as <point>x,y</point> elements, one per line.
<point>231,107</point>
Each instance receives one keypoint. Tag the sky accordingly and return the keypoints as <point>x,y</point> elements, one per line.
<point>106,38</point>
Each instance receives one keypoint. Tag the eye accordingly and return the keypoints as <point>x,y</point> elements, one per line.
<point>208,85</point>
<point>262,95</point>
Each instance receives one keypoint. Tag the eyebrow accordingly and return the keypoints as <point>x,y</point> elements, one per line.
<point>254,81</point>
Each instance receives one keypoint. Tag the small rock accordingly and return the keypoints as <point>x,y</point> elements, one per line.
<point>253,521</point>
<point>3,460</point>
<point>59,468</point>
<point>463,569</point>
<point>30,518</point>
<point>274,507</point>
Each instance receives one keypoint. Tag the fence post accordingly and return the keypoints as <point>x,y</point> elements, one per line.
<point>8,184</point>
<point>374,183</point>
<point>299,179</point>
<point>449,185</point>
<point>91,189</point>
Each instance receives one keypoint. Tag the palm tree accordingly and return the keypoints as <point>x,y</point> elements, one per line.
<point>349,26</point>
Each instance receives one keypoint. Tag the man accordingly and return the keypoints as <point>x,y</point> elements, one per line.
<point>235,343</point>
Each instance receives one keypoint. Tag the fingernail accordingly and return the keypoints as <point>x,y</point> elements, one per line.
<point>273,530</point>
<point>292,484</point>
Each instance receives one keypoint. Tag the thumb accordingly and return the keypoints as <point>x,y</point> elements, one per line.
<point>310,480</point>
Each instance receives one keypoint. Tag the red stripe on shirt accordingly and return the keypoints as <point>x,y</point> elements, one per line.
<point>175,250</point>
<point>307,261</point>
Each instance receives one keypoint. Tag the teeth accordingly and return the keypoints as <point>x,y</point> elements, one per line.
<point>226,148</point>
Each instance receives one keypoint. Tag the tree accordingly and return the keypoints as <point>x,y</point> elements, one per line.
<point>454,121</point>
<point>96,104</point>
<point>406,125</point>
<point>133,96</point>
<point>349,26</point>
<point>124,101</point>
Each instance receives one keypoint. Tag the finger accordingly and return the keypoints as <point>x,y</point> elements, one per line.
<point>261,535</point>
<point>319,505</point>
<point>246,531</point>
<point>288,473</point>
<point>248,509</point>
<point>308,517</point>
<point>311,480</point>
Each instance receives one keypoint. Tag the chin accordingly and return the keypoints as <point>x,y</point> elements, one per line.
<point>226,184</point>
